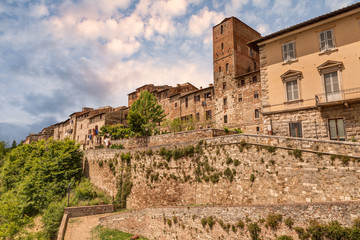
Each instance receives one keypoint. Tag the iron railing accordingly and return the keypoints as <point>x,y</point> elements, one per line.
<point>347,94</point>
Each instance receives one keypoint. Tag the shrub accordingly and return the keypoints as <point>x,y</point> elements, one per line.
<point>254,230</point>
<point>211,222</point>
<point>297,153</point>
<point>117,146</point>
<point>226,130</point>
<point>84,191</point>
<point>284,237</point>
<point>236,162</point>
<point>252,177</point>
<point>240,224</point>
<point>51,219</point>
<point>271,149</point>
<point>289,222</point>
<point>273,220</point>
<point>229,174</point>
<point>203,222</point>
<point>229,160</point>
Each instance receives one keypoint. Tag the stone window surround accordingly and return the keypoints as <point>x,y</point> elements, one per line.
<point>328,67</point>
<point>290,76</point>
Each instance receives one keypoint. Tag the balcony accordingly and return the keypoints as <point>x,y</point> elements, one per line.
<point>343,97</point>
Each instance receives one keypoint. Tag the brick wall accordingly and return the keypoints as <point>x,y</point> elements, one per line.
<point>88,210</point>
<point>153,223</point>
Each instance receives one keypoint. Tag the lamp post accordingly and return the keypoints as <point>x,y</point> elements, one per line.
<point>68,190</point>
<point>146,131</point>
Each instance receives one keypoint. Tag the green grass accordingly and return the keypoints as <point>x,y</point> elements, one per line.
<point>102,233</point>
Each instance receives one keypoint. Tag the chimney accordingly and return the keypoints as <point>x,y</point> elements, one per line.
<point>211,85</point>
<point>200,87</point>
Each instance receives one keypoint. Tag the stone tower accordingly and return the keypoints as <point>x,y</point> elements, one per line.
<point>236,76</point>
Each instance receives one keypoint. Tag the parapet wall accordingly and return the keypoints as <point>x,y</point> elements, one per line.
<point>88,210</point>
<point>170,138</point>
<point>188,222</point>
<point>232,170</point>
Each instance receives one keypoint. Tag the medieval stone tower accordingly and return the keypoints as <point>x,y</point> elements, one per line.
<point>236,76</point>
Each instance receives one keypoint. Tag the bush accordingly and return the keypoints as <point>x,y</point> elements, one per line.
<point>117,146</point>
<point>254,230</point>
<point>289,222</point>
<point>84,191</point>
<point>240,224</point>
<point>51,219</point>
<point>284,237</point>
<point>252,178</point>
<point>273,220</point>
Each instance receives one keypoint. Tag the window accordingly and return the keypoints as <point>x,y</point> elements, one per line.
<point>257,130</point>
<point>292,92</point>
<point>186,102</point>
<point>225,101</point>
<point>101,116</point>
<point>332,88</point>
<point>251,52</point>
<point>208,115</point>
<point>222,46</point>
<point>240,98</point>
<point>227,68</point>
<point>221,29</point>
<point>197,98</point>
<point>80,126</point>
<point>288,51</point>
<point>295,129</point>
<point>219,69</point>
<point>256,94</point>
<point>197,116</point>
<point>224,85</point>
<point>254,79</point>
<point>241,83</point>
<point>175,105</point>
<point>207,95</point>
<point>257,113</point>
<point>336,129</point>
<point>225,119</point>
<point>327,41</point>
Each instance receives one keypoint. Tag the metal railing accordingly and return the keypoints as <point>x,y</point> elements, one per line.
<point>342,95</point>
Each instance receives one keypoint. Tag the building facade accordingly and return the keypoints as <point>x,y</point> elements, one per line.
<point>237,87</point>
<point>310,77</point>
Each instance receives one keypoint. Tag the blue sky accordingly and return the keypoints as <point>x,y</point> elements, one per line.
<point>58,56</point>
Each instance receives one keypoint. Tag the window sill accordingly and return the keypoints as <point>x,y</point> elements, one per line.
<point>290,61</point>
<point>328,51</point>
<point>293,101</point>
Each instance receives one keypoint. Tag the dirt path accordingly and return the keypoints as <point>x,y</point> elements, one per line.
<point>80,228</point>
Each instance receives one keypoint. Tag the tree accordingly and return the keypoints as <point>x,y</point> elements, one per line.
<point>14,144</point>
<point>145,113</point>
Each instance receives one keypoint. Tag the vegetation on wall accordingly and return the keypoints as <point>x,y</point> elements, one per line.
<point>117,131</point>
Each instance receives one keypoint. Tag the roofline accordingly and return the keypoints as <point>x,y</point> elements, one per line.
<point>194,92</point>
<point>232,17</point>
<point>304,24</point>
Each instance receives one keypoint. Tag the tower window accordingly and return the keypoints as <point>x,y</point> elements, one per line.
<point>225,119</point>
<point>254,79</point>
<point>240,98</point>
<point>256,94</point>
<point>219,69</point>
<point>222,46</point>
<point>186,102</point>
<point>225,101</point>
<point>257,113</point>
<point>227,67</point>
<point>224,85</point>
<point>221,29</point>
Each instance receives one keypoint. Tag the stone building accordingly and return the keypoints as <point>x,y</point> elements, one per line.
<point>237,88</point>
<point>45,134</point>
<point>309,77</point>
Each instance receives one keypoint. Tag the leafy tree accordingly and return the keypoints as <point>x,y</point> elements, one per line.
<point>116,131</point>
<point>32,177</point>
<point>14,144</point>
<point>145,113</point>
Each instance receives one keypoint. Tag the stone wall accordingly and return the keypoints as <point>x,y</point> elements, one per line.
<point>186,222</point>
<point>88,210</point>
<point>170,138</point>
<point>315,122</point>
<point>232,170</point>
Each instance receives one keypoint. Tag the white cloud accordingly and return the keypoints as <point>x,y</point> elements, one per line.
<point>201,23</point>
<point>336,4</point>
<point>232,8</point>
<point>39,11</point>
<point>262,29</point>
<point>261,3</point>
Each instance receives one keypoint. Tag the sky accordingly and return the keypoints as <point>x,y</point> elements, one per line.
<point>61,55</point>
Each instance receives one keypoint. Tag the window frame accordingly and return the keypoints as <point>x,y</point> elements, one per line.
<point>240,97</point>
<point>225,118</point>
<point>326,47</point>
<point>256,94</point>
<point>298,134</point>
<point>258,113</point>
<point>288,58</point>
<point>337,132</point>
<point>287,80</point>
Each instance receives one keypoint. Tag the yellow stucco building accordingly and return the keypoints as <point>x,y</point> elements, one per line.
<point>310,76</point>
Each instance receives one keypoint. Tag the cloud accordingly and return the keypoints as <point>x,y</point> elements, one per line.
<point>234,7</point>
<point>201,23</point>
<point>336,4</point>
